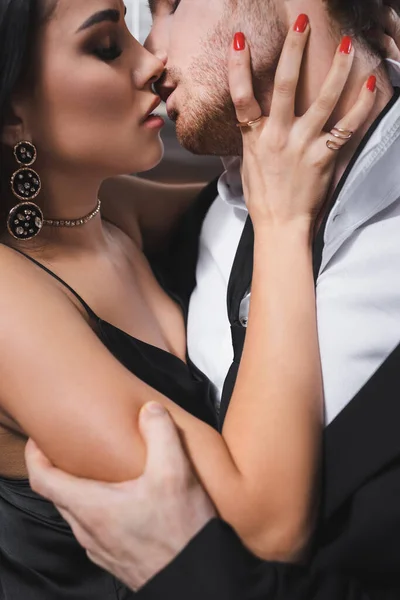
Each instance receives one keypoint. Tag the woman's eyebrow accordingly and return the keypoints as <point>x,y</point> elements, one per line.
<point>110,15</point>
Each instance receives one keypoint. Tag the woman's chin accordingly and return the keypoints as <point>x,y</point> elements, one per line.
<point>150,157</point>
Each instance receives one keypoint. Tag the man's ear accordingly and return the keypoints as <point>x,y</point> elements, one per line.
<point>14,129</point>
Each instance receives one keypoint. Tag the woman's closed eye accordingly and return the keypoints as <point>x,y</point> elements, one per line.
<point>108,53</point>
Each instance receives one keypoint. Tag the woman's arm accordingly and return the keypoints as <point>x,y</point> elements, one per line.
<point>287,170</point>
<point>146,210</point>
<point>65,390</point>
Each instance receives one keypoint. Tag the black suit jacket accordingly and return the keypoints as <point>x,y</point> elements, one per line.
<point>357,547</point>
<point>356,554</point>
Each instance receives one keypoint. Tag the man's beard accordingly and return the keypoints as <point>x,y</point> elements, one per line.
<point>208,126</point>
<point>206,119</point>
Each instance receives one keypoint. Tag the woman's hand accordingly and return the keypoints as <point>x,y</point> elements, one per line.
<point>287,164</point>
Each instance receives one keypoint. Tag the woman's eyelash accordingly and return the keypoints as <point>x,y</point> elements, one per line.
<point>108,54</point>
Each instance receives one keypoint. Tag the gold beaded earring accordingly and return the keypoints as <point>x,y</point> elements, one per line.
<point>25,220</point>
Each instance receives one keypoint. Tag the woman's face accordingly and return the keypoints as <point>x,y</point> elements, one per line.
<point>91,92</point>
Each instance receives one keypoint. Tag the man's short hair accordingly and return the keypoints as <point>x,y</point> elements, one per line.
<point>364,19</point>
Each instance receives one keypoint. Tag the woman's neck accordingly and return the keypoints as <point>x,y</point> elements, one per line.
<point>66,198</point>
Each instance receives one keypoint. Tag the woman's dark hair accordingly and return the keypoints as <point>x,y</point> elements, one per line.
<point>19,23</point>
<point>362,18</point>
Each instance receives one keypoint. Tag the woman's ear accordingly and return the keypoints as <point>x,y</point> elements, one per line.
<point>14,129</point>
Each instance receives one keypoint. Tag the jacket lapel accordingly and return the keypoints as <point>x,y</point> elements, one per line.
<point>364,438</point>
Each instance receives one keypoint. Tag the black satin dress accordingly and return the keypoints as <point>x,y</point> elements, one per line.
<point>39,556</point>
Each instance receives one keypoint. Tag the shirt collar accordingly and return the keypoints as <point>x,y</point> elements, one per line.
<point>230,183</point>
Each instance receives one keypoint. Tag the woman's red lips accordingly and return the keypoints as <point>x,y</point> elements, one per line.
<point>156,103</point>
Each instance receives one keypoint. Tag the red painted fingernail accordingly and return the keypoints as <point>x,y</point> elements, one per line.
<point>301,24</point>
<point>239,42</point>
<point>346,45</point>
<point>371,83</point>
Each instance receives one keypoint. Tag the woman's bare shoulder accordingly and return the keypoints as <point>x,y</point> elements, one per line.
<point>25,286</point>
<point>59,382</point>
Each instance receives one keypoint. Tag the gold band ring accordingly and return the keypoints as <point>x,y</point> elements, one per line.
<point>333,146</point>
<point>250,123</point>
<point>341,134</point>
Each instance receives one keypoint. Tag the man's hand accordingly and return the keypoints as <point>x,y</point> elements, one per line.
<point>132,529</point>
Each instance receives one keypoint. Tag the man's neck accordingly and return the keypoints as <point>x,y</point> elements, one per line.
<point>316,66</point>
<point>385,93</point>
<point>317,63</point>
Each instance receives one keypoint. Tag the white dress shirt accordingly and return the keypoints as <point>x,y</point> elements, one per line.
<point>358,287</point>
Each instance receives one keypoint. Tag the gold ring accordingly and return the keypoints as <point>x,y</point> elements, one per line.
<point>342,134</point>
<point>333,146</point>
<point>250,123</point>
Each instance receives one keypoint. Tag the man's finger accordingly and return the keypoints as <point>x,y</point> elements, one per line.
<point>81,534</point>
<point>62,489</point>
<point>165,454</point>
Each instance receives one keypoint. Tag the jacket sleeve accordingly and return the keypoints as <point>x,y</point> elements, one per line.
<point>216,566</point>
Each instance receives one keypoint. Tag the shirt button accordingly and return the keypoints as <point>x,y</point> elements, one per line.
<point>244,310</point>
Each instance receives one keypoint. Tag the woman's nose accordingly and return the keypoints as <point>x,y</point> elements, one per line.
<point>159,69</point>
<point>149,69</point>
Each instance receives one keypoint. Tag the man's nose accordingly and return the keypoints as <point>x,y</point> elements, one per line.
<point>162,56</point>
<point>149,43</point>
<point>153,43</point>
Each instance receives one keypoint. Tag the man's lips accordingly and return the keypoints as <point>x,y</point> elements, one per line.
<point>169,104</point>
<point>165,92</point>
<point>171,112</point>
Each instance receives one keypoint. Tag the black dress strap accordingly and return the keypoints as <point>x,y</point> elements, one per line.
<point>90,312</point>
